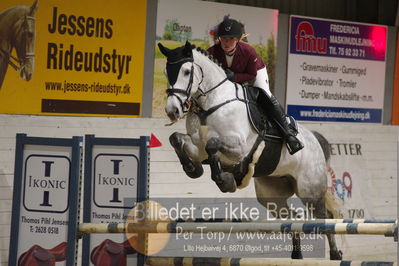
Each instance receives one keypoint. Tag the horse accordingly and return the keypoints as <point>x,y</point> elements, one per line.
<point>221,133</point>
<point>17,30</point>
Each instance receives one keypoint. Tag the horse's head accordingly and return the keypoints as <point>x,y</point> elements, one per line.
<point>183,82</point>
<point>24,41</point>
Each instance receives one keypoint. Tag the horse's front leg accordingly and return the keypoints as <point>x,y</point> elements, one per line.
<point>188,153</point>
<point>224,180</point>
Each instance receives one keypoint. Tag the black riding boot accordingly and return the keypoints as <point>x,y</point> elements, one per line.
<point>274,109</point>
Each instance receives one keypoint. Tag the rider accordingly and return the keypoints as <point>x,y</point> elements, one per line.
<point>242,64</point>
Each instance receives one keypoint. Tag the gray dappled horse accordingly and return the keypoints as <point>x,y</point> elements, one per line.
<point>17,30</point>
<point>221,133</point>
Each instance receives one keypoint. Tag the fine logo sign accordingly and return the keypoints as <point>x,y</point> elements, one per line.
<point>46,183</point>
<point>115,177</point>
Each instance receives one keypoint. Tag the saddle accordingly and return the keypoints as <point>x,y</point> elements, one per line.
<point>110,252</point>
<point>260,121</point>
<point>39,256</point>
<point>268,132</point>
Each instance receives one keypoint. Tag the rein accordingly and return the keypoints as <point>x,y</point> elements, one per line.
<point>191,102</point>
<point>9,56</point>
<point>185,105</point>
<point>203,114</point>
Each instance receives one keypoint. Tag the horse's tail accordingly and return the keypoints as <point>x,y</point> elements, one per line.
<point>325,146</point>
<point>332,203</point>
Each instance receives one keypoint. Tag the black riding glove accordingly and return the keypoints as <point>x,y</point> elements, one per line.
<point>229,74</point>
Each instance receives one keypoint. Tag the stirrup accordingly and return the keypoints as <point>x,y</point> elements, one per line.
<point>293,144</point>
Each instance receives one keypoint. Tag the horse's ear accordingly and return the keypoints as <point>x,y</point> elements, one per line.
<point>33,8</point>
<point>165,51</point>
<point>188,51</point>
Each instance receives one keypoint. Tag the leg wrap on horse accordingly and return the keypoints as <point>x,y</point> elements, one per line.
<point>272,107</point>
<point>224,180</point>
<point>192,169</point>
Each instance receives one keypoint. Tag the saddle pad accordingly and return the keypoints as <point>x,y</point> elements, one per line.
<point>269,158</point>
<point>265,127</point>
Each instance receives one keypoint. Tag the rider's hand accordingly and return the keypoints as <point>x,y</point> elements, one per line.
<point>229,74</point>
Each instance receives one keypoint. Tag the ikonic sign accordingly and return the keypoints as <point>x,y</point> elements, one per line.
<point>45,200</point>
<point>115,178</point>
<point>46,183</point>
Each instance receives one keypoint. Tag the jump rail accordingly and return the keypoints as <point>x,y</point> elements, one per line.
<point>177,261</point>
<point>354,221</point>
<point>387,229</point>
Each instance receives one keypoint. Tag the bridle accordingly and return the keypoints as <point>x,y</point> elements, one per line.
<point>14,62</point>
<point>185,105</point>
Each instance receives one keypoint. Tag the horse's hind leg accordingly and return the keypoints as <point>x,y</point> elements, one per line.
<point>224,180</point>
<point>321,212</point>
<point>192,169</point>
<point>335,253</point>
<point>272,193</point>
<point>279,206</point>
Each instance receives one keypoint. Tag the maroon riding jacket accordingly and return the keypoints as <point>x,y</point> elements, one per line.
<point>245,63</point>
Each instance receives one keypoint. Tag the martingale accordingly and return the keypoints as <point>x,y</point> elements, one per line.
<point>61,58</point>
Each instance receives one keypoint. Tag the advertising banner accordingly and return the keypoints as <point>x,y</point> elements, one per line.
<point>336,70</point>
<point>72,57</point>
<point>197,21</point>
<point>116,173</point>
<point>45,201</point>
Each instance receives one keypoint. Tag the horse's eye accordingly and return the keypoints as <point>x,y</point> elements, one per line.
<point>186,72</point>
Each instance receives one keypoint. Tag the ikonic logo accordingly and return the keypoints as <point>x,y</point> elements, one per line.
<point>46,183</point>
<point>115,179</point>
<point>307,42</point>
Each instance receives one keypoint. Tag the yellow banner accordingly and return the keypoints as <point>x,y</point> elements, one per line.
<point>75,57</point>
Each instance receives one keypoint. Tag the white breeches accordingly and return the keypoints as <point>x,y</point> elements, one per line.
<point>262,81</point>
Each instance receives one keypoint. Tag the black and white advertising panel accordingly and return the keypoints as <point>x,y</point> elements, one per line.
<point>45,200</point>
<point>115,180</point>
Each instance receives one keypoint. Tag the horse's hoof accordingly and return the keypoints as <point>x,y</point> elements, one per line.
<point>176,140</point>
<point>193,170</point>
<point>227,182</point>
<point>335,255</point>
<point>296,255</point>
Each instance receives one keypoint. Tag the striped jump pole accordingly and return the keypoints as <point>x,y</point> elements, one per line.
<point>359,221</point>
<point>387,229</point>
<point>179,261</point>
<point>354,221</point>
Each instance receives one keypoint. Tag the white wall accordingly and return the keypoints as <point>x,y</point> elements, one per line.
<point>374,174</point>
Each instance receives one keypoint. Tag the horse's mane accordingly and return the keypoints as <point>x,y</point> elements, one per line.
<point>206,54</point>
<point>19,8</point>
<point>8,14</point>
